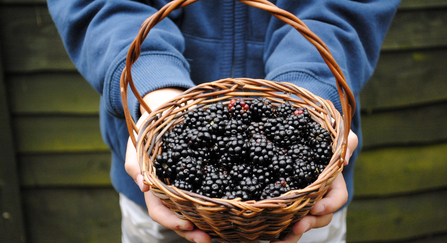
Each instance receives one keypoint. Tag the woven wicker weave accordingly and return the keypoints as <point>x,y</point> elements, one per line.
<point>236,220</point>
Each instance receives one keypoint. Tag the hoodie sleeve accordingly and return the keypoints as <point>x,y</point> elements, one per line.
<point>97,36</point>
<point>352,30</point>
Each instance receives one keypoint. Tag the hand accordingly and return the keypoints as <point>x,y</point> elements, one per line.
<point>321,214</point>
<point>156,209</point>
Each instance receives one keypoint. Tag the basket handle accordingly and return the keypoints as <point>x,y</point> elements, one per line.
<point>347,99</point>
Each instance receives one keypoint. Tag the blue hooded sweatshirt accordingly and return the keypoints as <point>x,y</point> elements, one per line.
<point>214,39</point>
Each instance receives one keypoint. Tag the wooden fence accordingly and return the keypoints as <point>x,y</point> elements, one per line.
<point>54,181</point>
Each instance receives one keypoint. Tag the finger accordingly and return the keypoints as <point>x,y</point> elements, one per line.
<point>335,198</point>
<point>164,216</point>
<point>304,225</point>
<point>291,237</point>
<point>195,235</point>
<point>133,168</point>
<point>131,164</point>
<point>158,97</point>
<point>353,142</point>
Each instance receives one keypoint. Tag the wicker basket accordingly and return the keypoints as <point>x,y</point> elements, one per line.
<point>235,220</point>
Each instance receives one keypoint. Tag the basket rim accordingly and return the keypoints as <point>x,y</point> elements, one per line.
<point>346,96</point>
<point>161,118</point>
<point>147,131</point>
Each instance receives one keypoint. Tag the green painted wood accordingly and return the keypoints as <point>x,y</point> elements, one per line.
<point>425,124</point>
<point>383,172</point>
<point>40,134</point>
<point>404,79</point>
<point>417,29</point>
<point>405,4</point>
<point>437,238</point>
<point>393,171</point>
<point>81,215</point>
<point>397,218</point>
<point>30,40</point>
<point>55,93</point>
<point>414,125</point>
<point>11,219</point>
<point>420,4</point>
<point>401,79</point>
<point>73,215</point>
<point>66,169</point>
<point>23,2</point>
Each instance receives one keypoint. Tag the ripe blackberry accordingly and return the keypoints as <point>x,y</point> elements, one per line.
<point>301,151</point>
<point>260,150</point>
<point>284,110</point>
<point>317,134</point>
<point>234,127</point>
<point>304,173</point>
<point>274,189</point>
<point>261,109</point>
<point>215,182</point>
<point>239,109</point>
<point>282,132</point>
<point>323,153</point>
<point>245,149</point>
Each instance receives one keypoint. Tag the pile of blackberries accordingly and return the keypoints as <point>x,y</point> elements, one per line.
<point>247,149</point>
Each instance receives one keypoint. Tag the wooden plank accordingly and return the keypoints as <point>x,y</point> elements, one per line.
<point>76,215</point>
<point>414,125</point>
<point>381,172</point>
<point>417,29</point>
<point>73,215</point>
<point>17,2</point>
<point>397,218</point>
<point>421,4</point>
<point>11,219</point>
<point>405,4</point>
<point>58,170</point>
<point>401,79</point>
<point>52,93</point>
<point>405,79</point>
<point>393,171</point>
<point>437,238</point>
<point>425,124</point>
<point>43,134</point>
<point>31,41</point>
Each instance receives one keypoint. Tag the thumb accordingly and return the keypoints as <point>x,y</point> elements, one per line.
<point>353,141</point>
<point>131,163</point>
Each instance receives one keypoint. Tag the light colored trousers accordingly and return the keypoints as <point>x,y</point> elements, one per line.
<point>138,227</point>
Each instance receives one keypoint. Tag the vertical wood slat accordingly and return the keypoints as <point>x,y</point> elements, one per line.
<point>11,227</point>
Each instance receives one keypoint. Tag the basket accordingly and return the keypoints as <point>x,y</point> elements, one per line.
<point>236,220</point>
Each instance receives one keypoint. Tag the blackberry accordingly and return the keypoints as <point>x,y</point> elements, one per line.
<point>282,131</point>
<point>215,182</point>
<point>274,189</point>
<point>261,109</point>
<point>239,109</point>
<point>323,153</point>
<point>245,149</point>
<point>304,173</point>
<point>317,134</point>
<point>284,110</point>
<point>260,150</point>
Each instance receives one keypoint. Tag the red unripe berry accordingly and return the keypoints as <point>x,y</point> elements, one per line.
<point>298,112</point>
